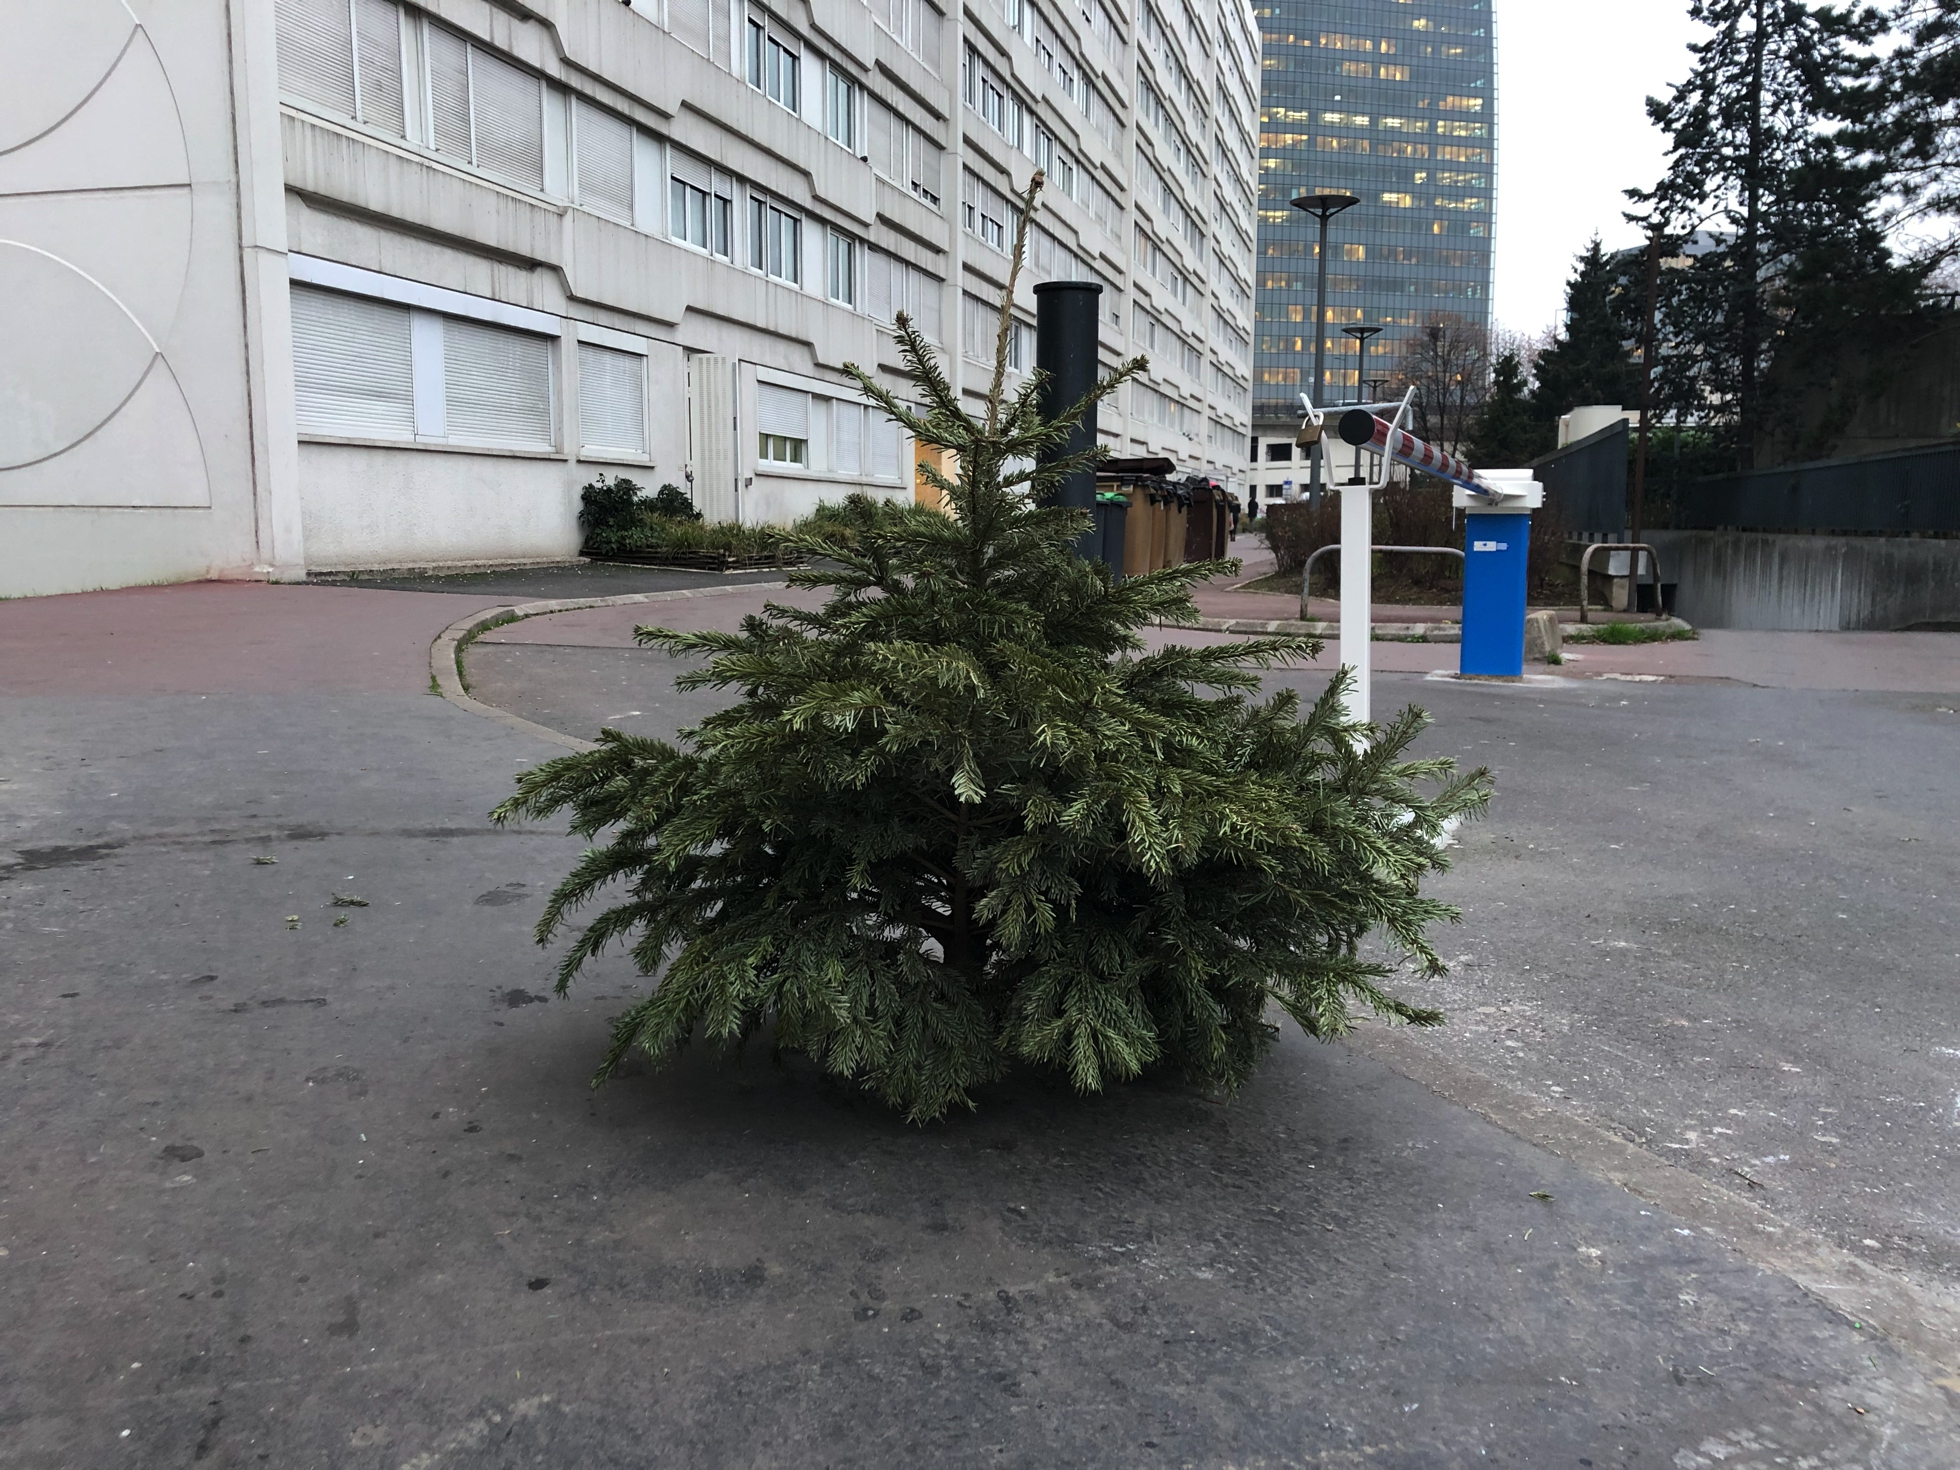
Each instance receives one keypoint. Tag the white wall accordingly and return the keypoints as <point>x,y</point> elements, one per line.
<point>373,507</point>
<point>127,435</point>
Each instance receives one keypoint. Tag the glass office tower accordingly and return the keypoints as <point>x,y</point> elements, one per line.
<point>1393,101</point>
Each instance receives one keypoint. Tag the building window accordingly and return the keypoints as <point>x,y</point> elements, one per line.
<point>841,108</point>
<point>1279,452</point>
<point>612,401</point>
<point>353,366</point>
<point>842,271</point>
<point>496,385</point>
<point>775,241</point>
<point>377,370</point>
<point>604,162</point>
<point>700,205</point>
<point>774,67</point>
<point>782,421</point>
<point>347,59</point>
<point>485,111</point>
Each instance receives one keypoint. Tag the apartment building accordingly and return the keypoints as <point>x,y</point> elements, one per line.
<point>311,285</point>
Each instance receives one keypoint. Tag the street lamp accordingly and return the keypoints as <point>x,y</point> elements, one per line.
<point>1361,336</point>
<point>1322,207</point>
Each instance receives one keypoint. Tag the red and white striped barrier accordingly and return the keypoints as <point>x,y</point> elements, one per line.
<point>1361,428</point>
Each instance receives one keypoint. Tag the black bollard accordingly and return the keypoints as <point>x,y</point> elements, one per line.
<point>1067,318</point>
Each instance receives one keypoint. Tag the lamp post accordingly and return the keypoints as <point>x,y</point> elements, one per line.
<point>1322,207</point>
<point>1361,336</point>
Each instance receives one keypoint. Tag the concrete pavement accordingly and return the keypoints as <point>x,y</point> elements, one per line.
<point>336,1194</point>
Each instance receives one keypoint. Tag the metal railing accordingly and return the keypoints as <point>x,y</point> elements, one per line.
<point>1306,581</point>
<point>1633,574</point>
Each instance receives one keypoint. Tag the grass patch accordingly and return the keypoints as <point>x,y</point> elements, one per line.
<point>1625,633</point>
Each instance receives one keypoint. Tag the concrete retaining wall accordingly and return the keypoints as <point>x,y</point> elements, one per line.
<point>1744,579</point>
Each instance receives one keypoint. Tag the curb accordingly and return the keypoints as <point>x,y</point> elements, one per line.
<point>1926,1320</point>
<point>1400,632</point>
<point>1380,633</point>
<point>446,653</point>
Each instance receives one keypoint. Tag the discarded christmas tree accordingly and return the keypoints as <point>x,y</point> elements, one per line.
<point>958,821</point>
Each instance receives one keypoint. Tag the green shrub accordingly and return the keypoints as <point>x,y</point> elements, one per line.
<point>610,506</point>
<point>847,519</point>
<point>672,503</point>
<point>958,821</point>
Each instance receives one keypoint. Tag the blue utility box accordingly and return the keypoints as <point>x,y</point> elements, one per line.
<point>1497,536</point>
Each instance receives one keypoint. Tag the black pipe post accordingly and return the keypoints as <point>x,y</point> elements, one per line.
<point>1067,340</point>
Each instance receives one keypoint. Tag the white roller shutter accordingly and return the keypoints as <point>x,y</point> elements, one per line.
<point>353,371</point>
<point>721,36</point>
<point>612,399</point>
<point>688,20</point>
<point>884,447</point>
<point>497,385</point>
<point>922,300</point>
<point>507,116</point>
<point>605,163</point>
<point>316,52</point>
<point>449,94</point>
<point>690,170</point>
<point>378,50</point>
<point>782,411</point>
<point>887,141</point>
<point>879,270</point>
<point>846,438</point>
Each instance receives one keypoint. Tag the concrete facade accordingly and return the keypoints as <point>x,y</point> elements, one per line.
<point>301,285</point>
<point>1744,579</point>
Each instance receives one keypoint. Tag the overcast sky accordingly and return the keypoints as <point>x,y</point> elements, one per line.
<point>1572,76</point>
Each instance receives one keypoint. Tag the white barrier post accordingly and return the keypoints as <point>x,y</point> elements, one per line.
<point>1357,595</point>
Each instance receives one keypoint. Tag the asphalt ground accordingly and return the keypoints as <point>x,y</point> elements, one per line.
<point>338,1195</point>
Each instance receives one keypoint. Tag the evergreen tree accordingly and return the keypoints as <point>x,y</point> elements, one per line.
<point>1778,214</point>
<point>1905,110</point>
<point>956,820</point>
<point>1508,432</point>
<point>1587,362</point>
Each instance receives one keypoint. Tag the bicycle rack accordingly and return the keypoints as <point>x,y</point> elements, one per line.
<point>1306,582</point>
<point>1633,574</point>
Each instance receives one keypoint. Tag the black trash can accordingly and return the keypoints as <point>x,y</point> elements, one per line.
<point>1112,514</point>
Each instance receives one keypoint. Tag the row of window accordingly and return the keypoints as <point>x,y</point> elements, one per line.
<point>1155,261</point>
<point>372,369</point>
<point>1158,40</point>
<point>1150,406</point>
<point>1151,108</point>
<point>990,95</point>
<point>820,433</point>
<point>980,332</point>
<point>1154,336</point>
<point>482,111</point>
<point>381,370</point>
<point>1152,185</point>
<point>1230,337</point>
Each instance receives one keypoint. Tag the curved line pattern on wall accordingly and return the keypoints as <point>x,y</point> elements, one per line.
<point>97,218</point>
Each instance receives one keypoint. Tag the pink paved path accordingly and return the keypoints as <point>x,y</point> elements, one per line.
<point>222,637</point>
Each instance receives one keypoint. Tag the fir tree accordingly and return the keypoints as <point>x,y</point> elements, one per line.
<point>1778,211</point>
<point>1509,432</point>
<point>1588,362</point>
<point>956,820</point>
